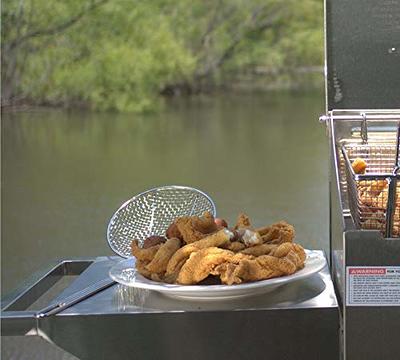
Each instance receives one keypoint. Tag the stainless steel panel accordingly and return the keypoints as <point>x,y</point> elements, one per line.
<point>363,54</point>
<point>300,320</point>
<point>270,334</point>
<point>380,325</point>
<point>370,333</point>
<point>17,323</point>
<point>18,317</point>
<point>345,127</point>
<point>41,282</point>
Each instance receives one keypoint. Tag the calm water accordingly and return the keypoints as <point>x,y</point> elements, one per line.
<point>64,173</point>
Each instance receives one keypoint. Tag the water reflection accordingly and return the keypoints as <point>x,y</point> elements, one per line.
<point>65,173</point>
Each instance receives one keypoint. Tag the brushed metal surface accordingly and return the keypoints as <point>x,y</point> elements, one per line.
<point>370,333</point>
<point>284,334</point>
<point>299,320</point>
<point>380,324</point>
<point>42,281</point>
<point>362,54</point>
<point>315,291</point>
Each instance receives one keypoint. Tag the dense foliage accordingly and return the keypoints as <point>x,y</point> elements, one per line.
<point>122,54</point>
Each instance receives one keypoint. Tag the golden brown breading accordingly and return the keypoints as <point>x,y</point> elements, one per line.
<point>156,277</point>
<point>160,261</point>
<point>366,198</point>
<point>143,254</point>
<point>258,250</point>
<point>373,196</point>
<point>141,268</point>
<point>205,223</point>
<point>283,249</point>
<point>376,186</point>
<point>293,252</point>
<point>201,263</point>
<point>214,240</point>
<point>289,258</point>
<point>173,232</point>
<point>194,228</point>
<point>359,166</point>
<point>153,240</point>
<point>234,246</point>
<point>246,270</point>
<point>242,222</point>
<point>186,229</point>
<point>301,253</point>
<point>233,256</point>
<point>373,224</point>
<point>277,233</point>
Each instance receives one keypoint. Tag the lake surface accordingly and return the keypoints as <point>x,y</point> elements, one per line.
<point>64,173</point>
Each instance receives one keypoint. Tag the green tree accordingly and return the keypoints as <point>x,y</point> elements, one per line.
<point>122,54</point>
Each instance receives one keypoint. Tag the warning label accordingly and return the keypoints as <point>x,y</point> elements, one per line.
<point>373,286</point>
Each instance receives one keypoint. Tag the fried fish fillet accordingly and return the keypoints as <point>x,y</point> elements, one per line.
<point>201,263</point>
<point>194,228</point>
<point>283,249</point>
<point>258,250</point>
<point>234,246</point>
<point>242,222</point>
<point>235,257</point>
<point>277,233</point>
<point>251,270</point>
<point>161,258</point>
<point>294,252</point>
<point>142,253</point>
<point>141,268</point>
<point>214,240</point>
<point>284,260</point>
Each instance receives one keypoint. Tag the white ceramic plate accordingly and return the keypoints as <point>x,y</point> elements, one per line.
<point>125,273</point>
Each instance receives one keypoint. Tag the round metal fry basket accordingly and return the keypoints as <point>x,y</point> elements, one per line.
<point>151,212</point>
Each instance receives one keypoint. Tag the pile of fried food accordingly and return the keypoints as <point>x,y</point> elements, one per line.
<point>373,201</point>
<point>203,250</point>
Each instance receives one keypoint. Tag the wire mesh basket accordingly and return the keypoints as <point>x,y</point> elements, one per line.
<point>151,212</point>
<point>372,196</point>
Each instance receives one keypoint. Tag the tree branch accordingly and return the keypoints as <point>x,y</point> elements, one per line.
<point>256,24</point>
<point>57,28</point>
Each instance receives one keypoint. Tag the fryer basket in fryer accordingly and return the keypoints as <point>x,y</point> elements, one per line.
<point>372,196</point>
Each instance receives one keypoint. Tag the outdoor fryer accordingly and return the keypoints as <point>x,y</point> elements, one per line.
<point>362,52</point>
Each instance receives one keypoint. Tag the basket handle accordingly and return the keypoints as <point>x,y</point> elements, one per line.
<point>364,128</point>
<point>393,188</point>
<point>397,160</point>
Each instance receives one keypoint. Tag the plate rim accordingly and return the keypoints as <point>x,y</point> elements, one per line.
<point>145,283</point>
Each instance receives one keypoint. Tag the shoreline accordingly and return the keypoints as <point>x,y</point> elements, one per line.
<point>260,81</point>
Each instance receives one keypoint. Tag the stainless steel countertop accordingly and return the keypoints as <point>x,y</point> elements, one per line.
<point>316,291</point>
<point>121,321</point>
